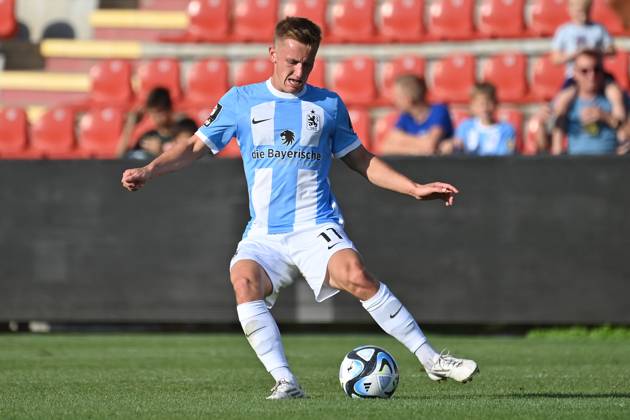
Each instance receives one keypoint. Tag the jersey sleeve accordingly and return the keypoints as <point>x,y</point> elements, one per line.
<point>508,140</point>
<point>443,120</point>
<point>344,139</point>
<point>217,131</point>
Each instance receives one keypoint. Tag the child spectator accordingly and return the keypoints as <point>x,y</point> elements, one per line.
<point>574,37</point>
<point>421,126</point>
<point>182,130</point>
<point>482,135</point>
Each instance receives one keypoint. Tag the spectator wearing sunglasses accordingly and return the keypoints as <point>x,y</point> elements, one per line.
<point>589,123</point>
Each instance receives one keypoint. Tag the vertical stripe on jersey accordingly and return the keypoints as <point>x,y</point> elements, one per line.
<point>261,198</point>
<point>312,124</point>
<point>262,123</point>
<point>306,198</point>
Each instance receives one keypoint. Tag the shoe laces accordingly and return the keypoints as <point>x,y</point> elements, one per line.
<point>447,361</point>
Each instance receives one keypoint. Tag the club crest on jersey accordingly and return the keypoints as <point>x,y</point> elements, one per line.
<point>288,137</point>
<point>312,121</point>
<point>213,115</point>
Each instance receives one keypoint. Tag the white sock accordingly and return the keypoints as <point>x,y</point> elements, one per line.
<point>392,316</point>
<point>263,335</point>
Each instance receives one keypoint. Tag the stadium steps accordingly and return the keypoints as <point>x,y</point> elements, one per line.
<point>25,88</point>
<point>137,24</point>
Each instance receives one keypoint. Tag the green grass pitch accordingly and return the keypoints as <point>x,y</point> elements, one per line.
<point>171,376</point>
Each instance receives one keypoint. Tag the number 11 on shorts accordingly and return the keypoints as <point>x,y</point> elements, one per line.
<point>330,235</point>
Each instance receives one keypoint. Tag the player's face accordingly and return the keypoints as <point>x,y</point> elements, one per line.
<point>161,117</point>
<point>292,64</point>
<point>482,107</point>
<point>588,73</point>
<point>402,100</point>
<point>579,11</point>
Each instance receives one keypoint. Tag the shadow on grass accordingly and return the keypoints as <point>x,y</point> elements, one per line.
<point>524,395</point>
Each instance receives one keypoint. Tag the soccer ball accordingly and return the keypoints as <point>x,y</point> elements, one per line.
<point>368,372</point>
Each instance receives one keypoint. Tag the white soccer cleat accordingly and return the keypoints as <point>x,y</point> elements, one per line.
<point>284,390</point>
<point>446,366</point>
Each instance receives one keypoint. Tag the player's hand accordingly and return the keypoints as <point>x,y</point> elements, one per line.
<point>436,191</point>
<point>134,179</point>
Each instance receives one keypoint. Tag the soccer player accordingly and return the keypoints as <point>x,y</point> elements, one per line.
<point>288,132</point>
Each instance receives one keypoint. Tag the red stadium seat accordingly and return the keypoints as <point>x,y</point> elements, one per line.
<point>53,135</point>
<point>353,80</point>
<point>406,64</point>
<point>547,15</point>
<point>451,19</point>
<point>255,20</point>
<point>514,117</point>
<point>14,138</point>
<point>529,146</point>
<point>617,65</point>
<point>401,20</point>
<point>352,21</point>
<point>110,84</point>
<point>602,13</point>
<point>318,74</point>
<point>163,72</point>
<point>207,81</point>
<point>362,125</point>
<point>99,132</point>
<point>381,128</point>
<point>458,115</point>
<point>453,77</point>
<point>508,73</point>
<point>231,151</point>
<point>8,23</point>
<point>253,71</point>
<point>501,18</point>
<point>547,78</point>
<point>315,10</point>
<point>209,20</point>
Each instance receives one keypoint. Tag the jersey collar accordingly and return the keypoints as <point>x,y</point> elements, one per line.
<point>284,95</point>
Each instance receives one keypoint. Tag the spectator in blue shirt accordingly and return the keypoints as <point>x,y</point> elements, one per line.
<point>589,123</point>
<point>421,126</point>
<point>482,135</point>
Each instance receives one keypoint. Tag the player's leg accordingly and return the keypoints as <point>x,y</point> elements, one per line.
<point>252,285</point>
<point>347,272</point>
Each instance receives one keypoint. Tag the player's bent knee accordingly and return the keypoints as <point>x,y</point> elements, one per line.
<point>358,282</point>
<point>246,288</point>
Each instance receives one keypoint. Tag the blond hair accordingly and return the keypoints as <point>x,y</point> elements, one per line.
<point>299,29</point>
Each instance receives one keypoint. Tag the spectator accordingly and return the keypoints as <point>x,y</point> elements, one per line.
<point>183,129</point>
<point>572,38</point>
<point>159,126</point>
<point>421,126</point>
<point>589,123</point>
<point>482,135</point>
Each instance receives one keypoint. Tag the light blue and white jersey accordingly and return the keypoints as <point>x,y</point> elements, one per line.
<point>570,38</point>
<point>287,143</point>
<point>486,140</point>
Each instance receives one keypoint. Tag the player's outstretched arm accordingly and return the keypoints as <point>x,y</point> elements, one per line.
<point>382,175</point>
<point>179,156</point>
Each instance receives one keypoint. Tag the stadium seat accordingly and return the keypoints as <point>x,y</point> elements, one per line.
<point>209,20</point>
<point>254,20</point>
<point>110,84</point>
<point>547,15</point>
<point>318,74</point>
<point>617,65</point>
<point>514,117</point>
<point>453,77</point>
<point>381,128</point>
<point>401,20</point>
<point>99,132</point>
<point>508,73</point>
<point>602,13</point>
<point>451,19</point>
<point>529,145</point>
<point>547,78</point>
<point>353,80</point>
<point>14,138</point>
<point>207,81</point>
<point>501,18</point>
<point>253,71</point>
<point>53,135</point>
<point>162,72</point>
<point>314,10</point>
<point>406,64</point>
<point>362,125</point>
<point>352,21</point>
<point>458,114</point>
<point>8,22</point>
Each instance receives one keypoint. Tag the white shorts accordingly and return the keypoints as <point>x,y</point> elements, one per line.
<point>299,254</point>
